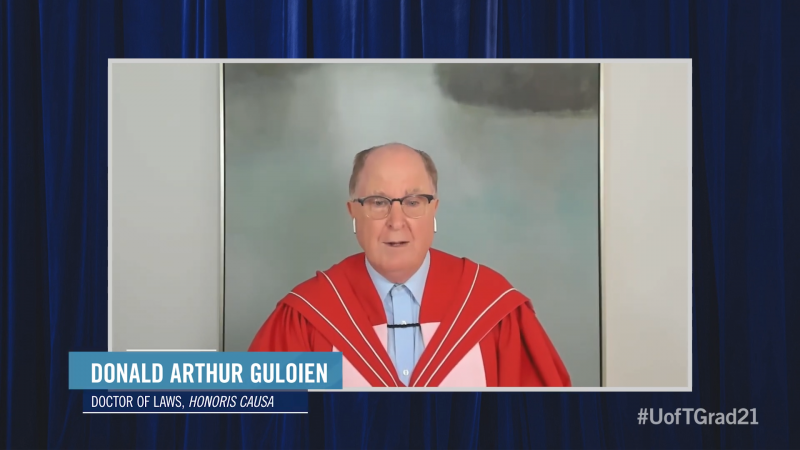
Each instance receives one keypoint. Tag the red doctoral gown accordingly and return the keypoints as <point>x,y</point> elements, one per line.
<point>478,330</point>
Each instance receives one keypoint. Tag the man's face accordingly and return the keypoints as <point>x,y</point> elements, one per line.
<point>395,245</point>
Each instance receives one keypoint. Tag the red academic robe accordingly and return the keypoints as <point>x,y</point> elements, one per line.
<point>477,329</point>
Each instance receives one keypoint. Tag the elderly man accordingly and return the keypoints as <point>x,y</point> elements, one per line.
<point>403,313</point>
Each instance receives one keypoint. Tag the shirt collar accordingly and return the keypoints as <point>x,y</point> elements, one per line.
<point>415,284</point>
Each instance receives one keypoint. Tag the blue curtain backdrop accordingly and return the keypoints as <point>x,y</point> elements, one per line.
<point>53,202</point>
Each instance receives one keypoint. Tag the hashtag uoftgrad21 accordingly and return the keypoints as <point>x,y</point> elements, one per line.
<point>696,416</point>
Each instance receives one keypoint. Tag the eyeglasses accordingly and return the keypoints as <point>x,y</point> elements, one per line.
<point>378,207</point>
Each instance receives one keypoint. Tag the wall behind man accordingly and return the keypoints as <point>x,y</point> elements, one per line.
<point>518,180</point>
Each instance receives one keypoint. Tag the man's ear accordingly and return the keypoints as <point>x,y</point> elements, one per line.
<point>350,209</point>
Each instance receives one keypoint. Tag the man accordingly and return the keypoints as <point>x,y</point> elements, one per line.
<point>403,313</point>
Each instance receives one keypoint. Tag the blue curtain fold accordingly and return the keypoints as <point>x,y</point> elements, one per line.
<point>746,192</point>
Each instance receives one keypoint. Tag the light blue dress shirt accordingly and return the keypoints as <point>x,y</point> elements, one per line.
<point>402,303</point>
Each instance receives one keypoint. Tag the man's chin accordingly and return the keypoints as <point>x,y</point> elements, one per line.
<point>395,259</point>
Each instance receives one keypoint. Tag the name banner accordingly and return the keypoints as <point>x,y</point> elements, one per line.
<point>177,371</point>
<point>198,402</point>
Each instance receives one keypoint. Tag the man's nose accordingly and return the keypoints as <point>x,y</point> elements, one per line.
<point>397,217</point>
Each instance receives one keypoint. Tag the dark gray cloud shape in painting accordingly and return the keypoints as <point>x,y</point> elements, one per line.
<point>532,88</point>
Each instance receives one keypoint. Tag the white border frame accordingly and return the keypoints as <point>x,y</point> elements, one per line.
<point>221,63</point>
<point>110,210</point>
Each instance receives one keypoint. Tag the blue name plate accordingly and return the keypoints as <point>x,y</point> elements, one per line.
<point>204,370</point>
<point>196,402</point>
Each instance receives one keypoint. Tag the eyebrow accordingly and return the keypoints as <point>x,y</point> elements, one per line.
<point>408,192</point>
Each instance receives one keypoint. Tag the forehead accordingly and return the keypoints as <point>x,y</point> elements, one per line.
<point>394,172</point>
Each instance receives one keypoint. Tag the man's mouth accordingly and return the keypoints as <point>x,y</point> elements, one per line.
<point>396,243</point>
